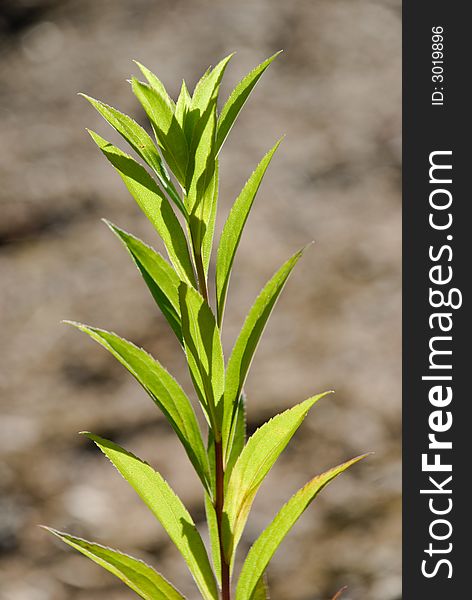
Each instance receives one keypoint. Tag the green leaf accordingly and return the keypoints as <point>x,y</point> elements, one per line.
<point>160,277</point>
<point>206,93</point>
<point>202,183</point>
<point>201,199</point>
<point>202,168</point>
<point>136,574</point>
<point>141,143</point>
<point>237,99</point>
<point>183,105</point>
<point>169,133</point>
<point>210,511</point>
<point>207,238</point>
<point>233,229</point>
<point>164,391</point>
<point>154,204</point>
<point>238,436</point>
<point>261,591</point>
<point>167,508</point>
<point>156,84</point>
<point>255,461</point>
<point>266,545</point>
<point>204,352</point>
<point>246,344</point>
<point>212,524</point>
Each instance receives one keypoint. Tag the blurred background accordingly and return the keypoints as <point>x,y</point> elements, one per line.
<point>335,93</point>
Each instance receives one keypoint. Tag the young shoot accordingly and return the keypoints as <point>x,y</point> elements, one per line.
<point>175,174</point>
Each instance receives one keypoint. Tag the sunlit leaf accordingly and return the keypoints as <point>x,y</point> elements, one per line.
<point>204,352</point>
<point>156,84</point>
<point>212,525</point>
<point>141,143</point>
<point>167,508</point>
<point>154,204</point>
<point>136,574</point>
<point>160,277</point>
<point>164,391</point>
<point>205,93</point>
<point>270,539</point>
<point>237,99</point>
<point>246,344</point>
<point>233,229</point>
<point>202,168</point>
<point>255,461</point>
<point>207,238</point>
<point>169,133</point>
<point>183,105</point>
<point>202,195</point>
<point>210,511</point>
<point>237,439</point>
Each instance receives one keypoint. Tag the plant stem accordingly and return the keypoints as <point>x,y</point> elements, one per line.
<point>219,502</point>
<point>219,462</point>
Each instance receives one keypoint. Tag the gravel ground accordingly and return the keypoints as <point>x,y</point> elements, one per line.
<point>335,93</point>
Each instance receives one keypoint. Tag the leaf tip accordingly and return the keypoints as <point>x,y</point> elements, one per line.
<point>94,135</point>
<point>361,457</point>
<point>274,56</point>
<point>305,248</point>
<point>87,97</point>
<point>91,436</point>
<point>111,226</point>
<point>73,323</point>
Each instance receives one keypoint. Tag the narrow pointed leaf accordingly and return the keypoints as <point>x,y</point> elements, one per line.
<point>140,141</point>
<point>202,169</point>
<point>237,99</point>
<point>136,574</point>
<point>160,277</point>
<point>164,391</point>
<point>255,461</point>
<point>212,524</point>
<point>209,230</point>
<point>206,91</point>
<point>237,437</point>
<point>183,105</point>
<point>233,228</point>
<point>167,508</point>
<point>154,204</point>
<point>210,511</point>
<point>156,84</point>
<point>246,344</point>
<point>204,352</point>
<point>267,543</point>
<point>200,202</point>
<point>169,133</point>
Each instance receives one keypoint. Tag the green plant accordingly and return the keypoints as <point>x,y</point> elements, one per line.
<point>189,135</point>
